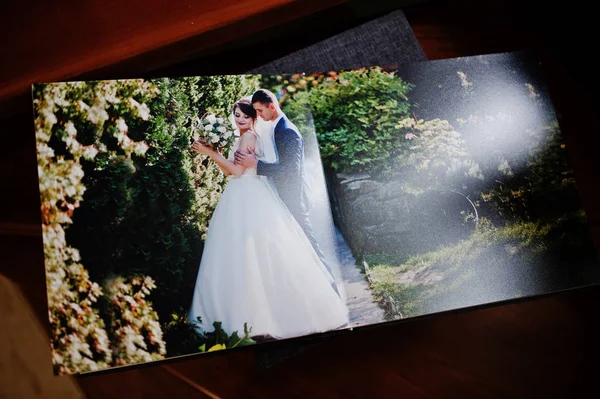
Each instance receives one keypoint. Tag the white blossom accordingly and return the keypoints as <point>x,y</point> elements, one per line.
<point>140,148</point>
<point>70,128</point>
<point>211,119</point>
<point>97,114</point>
<point>121,125</point>
<point>90,152</point>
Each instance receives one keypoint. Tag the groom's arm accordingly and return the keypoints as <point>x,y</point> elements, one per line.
<point>290,156</point>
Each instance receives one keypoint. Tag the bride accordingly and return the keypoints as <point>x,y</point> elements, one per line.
<point>258,267</point>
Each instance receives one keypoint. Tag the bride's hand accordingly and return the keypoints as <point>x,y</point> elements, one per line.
<point>200,148</point>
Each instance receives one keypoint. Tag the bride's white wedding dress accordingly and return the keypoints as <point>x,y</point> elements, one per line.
<point>259,268</point>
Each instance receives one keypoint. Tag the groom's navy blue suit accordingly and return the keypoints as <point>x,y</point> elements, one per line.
<point>288,177</point>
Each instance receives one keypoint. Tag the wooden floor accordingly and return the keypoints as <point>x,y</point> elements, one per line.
<point>545,347</point>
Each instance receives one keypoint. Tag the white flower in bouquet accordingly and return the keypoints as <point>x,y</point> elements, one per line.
<point>213,131</point>
<point>211,119</point>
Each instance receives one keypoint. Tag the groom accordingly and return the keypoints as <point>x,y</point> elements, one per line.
<point>287,173</point>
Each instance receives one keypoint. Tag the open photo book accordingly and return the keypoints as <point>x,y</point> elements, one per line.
<point>197,214</point>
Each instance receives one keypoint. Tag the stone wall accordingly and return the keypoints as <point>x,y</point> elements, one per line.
<point>380,217</point>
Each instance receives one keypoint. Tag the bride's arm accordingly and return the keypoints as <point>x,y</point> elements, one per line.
<point>228,167</point>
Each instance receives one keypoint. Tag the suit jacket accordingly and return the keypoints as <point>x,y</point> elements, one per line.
<point>288,173</point>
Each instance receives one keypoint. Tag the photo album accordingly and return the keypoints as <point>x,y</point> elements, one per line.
<point>197,214</point>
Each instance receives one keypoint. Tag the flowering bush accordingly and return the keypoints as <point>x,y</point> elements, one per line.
<point>214,132</point>
<point>436,156</point>
<point>135,333</point>
<point>70,119</point>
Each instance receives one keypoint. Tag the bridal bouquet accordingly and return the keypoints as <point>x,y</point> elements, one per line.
<point>214,132</point>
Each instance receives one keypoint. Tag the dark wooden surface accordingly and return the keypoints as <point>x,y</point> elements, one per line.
<point>48,41</point>
<point>544,347</point>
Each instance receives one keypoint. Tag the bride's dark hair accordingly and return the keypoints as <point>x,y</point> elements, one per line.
<point>245,105</point>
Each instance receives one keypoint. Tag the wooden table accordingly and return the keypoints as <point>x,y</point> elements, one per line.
<point>544,347</point>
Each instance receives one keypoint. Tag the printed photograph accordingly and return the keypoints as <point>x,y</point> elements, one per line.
<point>180,216</point>
<point>450,184</point>
<point>198,214</point>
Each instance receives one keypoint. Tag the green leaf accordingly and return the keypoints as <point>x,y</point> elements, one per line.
<point>245,340</point>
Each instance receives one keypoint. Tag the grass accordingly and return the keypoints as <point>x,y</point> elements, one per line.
<point>495,263</point>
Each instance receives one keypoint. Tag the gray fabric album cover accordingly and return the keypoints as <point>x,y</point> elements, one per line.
<point>385,40</point>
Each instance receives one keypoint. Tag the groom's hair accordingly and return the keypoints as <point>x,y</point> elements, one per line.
<point>265,97</point>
